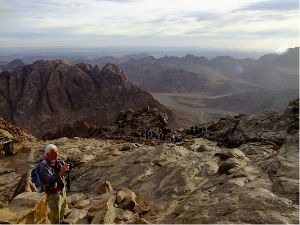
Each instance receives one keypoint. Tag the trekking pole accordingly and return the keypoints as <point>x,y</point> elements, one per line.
<point>68,182</point>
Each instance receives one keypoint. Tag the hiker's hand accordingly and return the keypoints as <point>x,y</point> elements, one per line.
<point>64,169</point>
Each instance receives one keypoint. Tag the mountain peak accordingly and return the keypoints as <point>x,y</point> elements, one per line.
<point>112,69</point>
<point>114,75</point>
<point>84,67</point>
<point>56,62</point>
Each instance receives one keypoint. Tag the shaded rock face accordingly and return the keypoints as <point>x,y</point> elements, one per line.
<point>133,125</point>
<point>142,118</point>
<point>129,125</point>
<point>269,126</point>
<point>77,129</point>
<point>48,95</point>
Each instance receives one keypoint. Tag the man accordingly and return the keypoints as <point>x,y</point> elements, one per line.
<point>52,170</point>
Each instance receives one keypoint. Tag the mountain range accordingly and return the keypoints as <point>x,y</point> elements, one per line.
<point>221,85</point>
<point>267,82</point>
<point>271,71</point>
<point>204,89</point>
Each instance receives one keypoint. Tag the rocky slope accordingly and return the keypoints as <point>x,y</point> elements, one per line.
<point>17,134</point>
<point>49,95</point>
<point>193,181</point>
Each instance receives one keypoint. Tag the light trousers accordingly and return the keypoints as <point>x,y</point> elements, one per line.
<point>57,205</point>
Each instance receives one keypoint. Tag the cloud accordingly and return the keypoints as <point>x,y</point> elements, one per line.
<point>205,16</point>
<point>145,22</point>
<point>273,5</point>
<point>117,1</point>
<point>276,33</point>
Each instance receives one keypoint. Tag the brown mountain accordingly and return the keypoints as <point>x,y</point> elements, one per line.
<point>48,95</point>
<point>289,59</point>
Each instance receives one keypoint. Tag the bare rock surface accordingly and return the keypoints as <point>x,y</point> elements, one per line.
<point>177,184</point>
<point>252,183</point>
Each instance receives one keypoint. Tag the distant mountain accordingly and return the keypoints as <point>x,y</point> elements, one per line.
<point>175,75</point>
<point>102,61</point>
<point>12,65</point>
<point>48,95</point>
<point>288,59</point>
<point>271,71</point>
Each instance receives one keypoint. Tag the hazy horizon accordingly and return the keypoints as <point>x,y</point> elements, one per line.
<point>261,26</point>
<point>8,54</point>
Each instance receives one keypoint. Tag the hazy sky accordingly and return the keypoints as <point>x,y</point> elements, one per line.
<point>230,24</point>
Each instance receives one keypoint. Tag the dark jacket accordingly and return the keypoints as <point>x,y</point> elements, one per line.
<point>50,180</point>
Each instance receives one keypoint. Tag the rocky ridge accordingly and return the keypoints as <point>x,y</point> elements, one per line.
<point>270,126</point>
<point>193,181</point>
<point>129,125</point>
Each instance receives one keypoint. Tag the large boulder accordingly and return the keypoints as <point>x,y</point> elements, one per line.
<point>27,207</point>
<point>24,185</point>
<point>106,206</point>
<point>104,188</point>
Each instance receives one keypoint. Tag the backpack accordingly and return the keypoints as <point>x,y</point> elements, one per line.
<point>35,177</point>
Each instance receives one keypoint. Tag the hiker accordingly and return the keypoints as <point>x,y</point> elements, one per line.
<point>203,130</point>
<point>219,143</point>
<point>192,130</point>
<point>173,138</point>
<point>53,181</point>
<point>196,129</point>
<point>148,133</point>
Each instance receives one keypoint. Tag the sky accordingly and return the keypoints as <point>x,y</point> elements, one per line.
<point>264,25</point>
